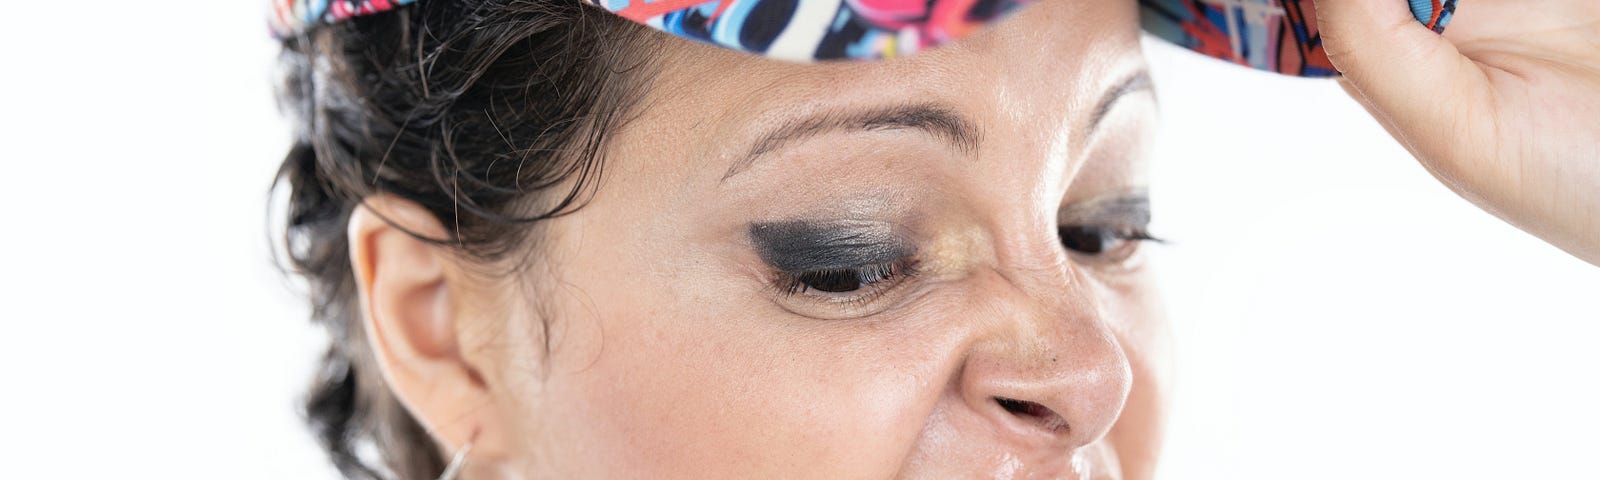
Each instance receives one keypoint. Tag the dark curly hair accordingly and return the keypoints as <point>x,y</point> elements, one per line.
<point>491,114</point>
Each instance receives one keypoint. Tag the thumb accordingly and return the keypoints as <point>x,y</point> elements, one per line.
<point>1407,72</point>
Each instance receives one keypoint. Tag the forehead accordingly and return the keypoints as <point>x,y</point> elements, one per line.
<point>1024,79</point>
<point>1028,84</point>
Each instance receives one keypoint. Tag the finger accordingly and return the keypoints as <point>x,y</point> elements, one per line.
<point>1415,77</point>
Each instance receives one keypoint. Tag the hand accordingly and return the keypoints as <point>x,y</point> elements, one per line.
<point>1504,108</point>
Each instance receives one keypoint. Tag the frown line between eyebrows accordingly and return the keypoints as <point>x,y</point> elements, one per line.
<point>933,119</point>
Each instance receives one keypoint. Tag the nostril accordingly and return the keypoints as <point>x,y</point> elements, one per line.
<point>1023,408</point>
<point>1040,415</point>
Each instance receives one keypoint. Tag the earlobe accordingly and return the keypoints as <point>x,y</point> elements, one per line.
<point>412,319</point>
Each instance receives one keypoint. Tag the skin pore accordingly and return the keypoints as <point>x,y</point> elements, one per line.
<point>922,268</point>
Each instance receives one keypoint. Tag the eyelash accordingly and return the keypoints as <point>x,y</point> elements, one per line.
<point>874,279</point>
<point>867,282</point>
<point>1104,234</point>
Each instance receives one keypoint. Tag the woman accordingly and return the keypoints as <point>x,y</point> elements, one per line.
<point>551,243</point>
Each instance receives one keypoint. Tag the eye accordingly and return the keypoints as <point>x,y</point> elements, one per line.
<point>844,293</point>
<point>835,269</point>
<point>1102,242</point>
<point>843,280</point>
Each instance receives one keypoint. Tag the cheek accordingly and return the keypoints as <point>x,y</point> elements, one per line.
<point>675,379</point>
<point>1141,326</point>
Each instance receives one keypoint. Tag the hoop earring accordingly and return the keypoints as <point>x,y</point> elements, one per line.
<point>456,462</point>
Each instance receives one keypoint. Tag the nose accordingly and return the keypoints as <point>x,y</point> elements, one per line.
<point>1049,375</point>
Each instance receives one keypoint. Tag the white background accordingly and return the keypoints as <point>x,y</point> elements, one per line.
<point>1339,314</point>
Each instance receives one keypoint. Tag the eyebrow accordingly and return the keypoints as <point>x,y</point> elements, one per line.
<point>1139,81</point>
<point>932,118</point>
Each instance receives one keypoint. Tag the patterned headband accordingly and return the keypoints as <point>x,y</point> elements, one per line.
<point>292,17</point>
<point>1274,35</point>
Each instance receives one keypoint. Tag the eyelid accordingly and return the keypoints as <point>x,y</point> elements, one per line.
<point>1128,210</point>
<point>868,300</point>
<point>804,246</point>
<point>793,249</point>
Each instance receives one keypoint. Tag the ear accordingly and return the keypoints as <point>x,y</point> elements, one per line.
<point>411,305</point>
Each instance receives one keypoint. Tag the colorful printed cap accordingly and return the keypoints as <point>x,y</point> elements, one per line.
<point>817,29</point>
<point>1274,35</point>
<point>291,17</point>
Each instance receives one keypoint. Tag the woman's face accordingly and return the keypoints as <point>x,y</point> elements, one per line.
<point>909,268</point>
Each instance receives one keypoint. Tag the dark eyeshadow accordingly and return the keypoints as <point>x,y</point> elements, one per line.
<point>1130,210</point>
<point>807,246</point>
